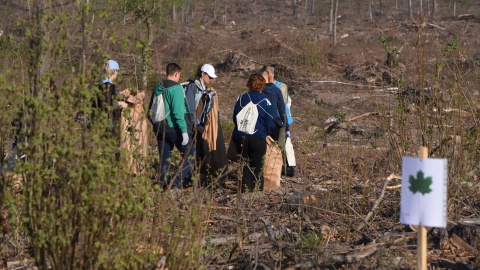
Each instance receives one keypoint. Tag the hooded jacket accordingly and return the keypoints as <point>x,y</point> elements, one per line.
<point>264,125</point>
<point>178,115</point>
<point>274,94</point>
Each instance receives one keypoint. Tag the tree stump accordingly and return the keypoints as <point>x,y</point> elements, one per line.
<point>469,230</point>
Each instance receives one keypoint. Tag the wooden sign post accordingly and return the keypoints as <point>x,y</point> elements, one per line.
<point>422,230</point>
<point>424,191</point>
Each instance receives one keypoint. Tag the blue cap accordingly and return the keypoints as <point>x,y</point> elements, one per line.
<point>112,64</point>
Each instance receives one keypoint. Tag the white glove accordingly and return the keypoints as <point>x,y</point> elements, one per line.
<point>185,138</point>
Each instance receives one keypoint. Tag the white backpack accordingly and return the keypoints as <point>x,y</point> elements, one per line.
<point>158,109</point>
<point>247,116</point>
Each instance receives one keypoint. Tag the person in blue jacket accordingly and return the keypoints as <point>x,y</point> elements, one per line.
<point>254,146</point>
<point>274,94</point>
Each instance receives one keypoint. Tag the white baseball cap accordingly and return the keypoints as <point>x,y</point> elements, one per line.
<point>113,65</point>
<point>207,68</point>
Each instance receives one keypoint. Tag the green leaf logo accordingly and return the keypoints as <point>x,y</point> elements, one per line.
<point>420,184</point>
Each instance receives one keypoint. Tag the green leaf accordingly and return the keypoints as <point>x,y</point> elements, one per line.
<point>420,184</point>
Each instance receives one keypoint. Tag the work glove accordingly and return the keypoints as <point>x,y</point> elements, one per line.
<point>185,138</point>
<point>287,134</point>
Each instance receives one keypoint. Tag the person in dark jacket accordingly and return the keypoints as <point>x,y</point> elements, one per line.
<point>253,146</point>
<point>274,94</point>
<point>210,152</point>
<point>175,130</point>
<point>286,99</point>
<point>106,97</point>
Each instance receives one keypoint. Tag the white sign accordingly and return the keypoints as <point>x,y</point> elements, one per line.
<point>424,192</point>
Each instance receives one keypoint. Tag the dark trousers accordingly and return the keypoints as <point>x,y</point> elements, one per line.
<point>253,150</point>
<point>167,139</point>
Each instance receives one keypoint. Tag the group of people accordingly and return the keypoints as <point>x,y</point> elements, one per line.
<point>192,123</point>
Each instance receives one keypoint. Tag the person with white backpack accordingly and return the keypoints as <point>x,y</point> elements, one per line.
<point>252,116</point>
<point>172,124</point>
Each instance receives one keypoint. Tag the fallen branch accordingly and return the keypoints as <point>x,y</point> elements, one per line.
<point>394,187</point>
<point>436,26</point>
<point>391,177</point>
<point>222,217</point>
<point>360,116</point>
<point>344,83</point>
<point>365,222</point>
<point>335,259</point>
<point>377,202</point>
<point>219,241</point>
<point>393,89</point>
<point>460,111</point>
<point>270,232</point>
<point>217,207</point>
<point>459,243</point>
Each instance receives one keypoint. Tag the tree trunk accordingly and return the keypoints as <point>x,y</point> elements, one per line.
<point>294,8</point>
<point>146,53</point>
<point>434,8</point>
<point>214,10</point>
<point>83,63</point>
<point>174,14</point>
<point>330,24</point>
<point>428,13</point>
<point>454,8</point>
<point>335,24</point>
<point>410,12</point>
<point>312,10</point>
<point>421,8</point>
<point>469,230</point>
<point>370,10</point>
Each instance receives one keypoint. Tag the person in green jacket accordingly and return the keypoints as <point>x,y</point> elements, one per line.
<point>175,130</point>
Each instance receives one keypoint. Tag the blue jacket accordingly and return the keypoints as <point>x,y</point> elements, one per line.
<point>265,124</point>
<point>274,94</point>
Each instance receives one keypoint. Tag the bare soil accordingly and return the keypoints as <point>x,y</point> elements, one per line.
<point>318,219</point>
<point>342,168</point>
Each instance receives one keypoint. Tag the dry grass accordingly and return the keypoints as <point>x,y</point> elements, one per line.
<point>344,168</point>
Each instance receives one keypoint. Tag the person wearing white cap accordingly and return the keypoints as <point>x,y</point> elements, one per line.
<point>196,87</point>
<point>202,100</point>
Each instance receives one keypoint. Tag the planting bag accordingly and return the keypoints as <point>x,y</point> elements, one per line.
<point>273,166</point>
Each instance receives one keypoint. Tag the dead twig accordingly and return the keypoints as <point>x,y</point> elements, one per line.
<point>377,202</point>
<point>362,115</point>
<point>270,232</point>
<point>363,219</point>
<point>394,187</point>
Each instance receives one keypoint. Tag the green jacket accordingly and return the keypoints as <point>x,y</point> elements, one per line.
<point>174,104</point>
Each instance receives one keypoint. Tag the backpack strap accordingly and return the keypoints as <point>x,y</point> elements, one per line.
<point>248,98</point>
<point>277,84</point>
<point>268,103</point>
<point>164,101</point>
<point>184,86</point>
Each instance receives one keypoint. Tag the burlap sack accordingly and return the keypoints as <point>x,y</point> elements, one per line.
<point>273,166</point>
<point>133,132</point>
